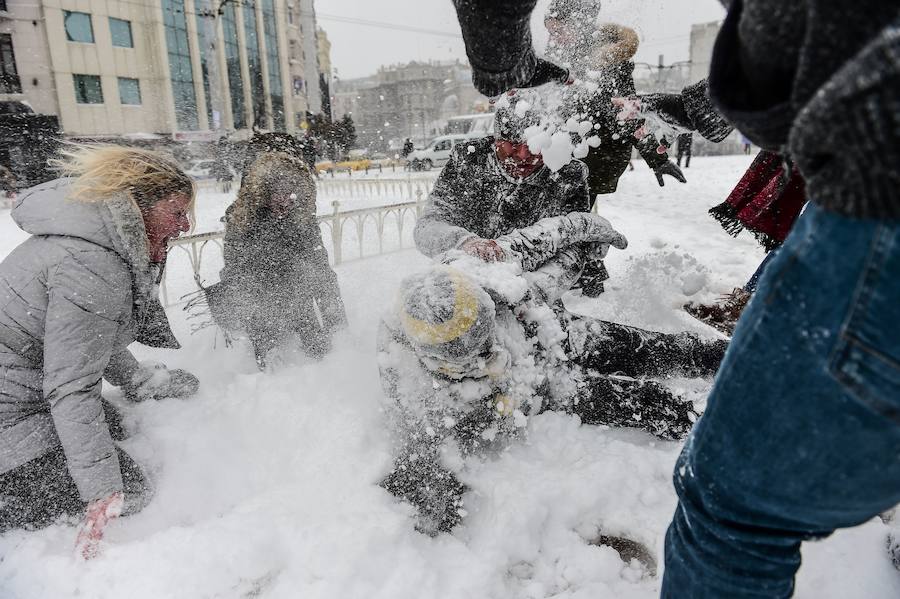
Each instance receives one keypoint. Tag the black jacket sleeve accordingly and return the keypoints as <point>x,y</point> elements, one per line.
<point>497,35</point>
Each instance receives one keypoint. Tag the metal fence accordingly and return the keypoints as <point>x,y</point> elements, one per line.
<point>336,225</point>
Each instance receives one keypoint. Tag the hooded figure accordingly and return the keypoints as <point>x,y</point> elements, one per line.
<point>276,267</point>
<point>74,295</point>
<point>601,56</point>
<point>494,185</point>
<point>471,350</point>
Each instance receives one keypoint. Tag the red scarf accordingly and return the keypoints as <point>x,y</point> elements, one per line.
<point>764,201</point>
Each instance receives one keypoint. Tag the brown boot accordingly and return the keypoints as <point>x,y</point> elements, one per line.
<point>724,314</point>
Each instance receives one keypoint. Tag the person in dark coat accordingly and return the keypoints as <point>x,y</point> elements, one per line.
<point>495,185</point>
<point>685,142</point>
<point>780,458</point>
<point>601,57</point>
<point>75,295</point>
<point>473,349</point>
<point>276,267</point>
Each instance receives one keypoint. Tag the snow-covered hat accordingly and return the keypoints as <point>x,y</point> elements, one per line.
<point>515,112</point>
<point>446,316</point>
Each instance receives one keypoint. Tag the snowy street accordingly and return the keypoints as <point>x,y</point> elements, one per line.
<point>266,484</point>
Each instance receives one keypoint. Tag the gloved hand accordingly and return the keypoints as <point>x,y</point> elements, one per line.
<point>484,249</point>
<point>548,72</point>
<point>152,380</point>
<point>97,515</point>
<point>669,107</point>
<point>668,168</point>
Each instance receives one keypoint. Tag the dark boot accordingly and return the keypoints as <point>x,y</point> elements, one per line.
<point>433,489</point>
<point>724,314</point>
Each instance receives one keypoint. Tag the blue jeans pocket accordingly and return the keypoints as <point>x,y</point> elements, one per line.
<point>866,359</point>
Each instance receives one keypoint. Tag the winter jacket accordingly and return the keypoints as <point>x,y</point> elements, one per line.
<point>276,267</point>
<point>607,161</point>
<point>817,79</point>
<point>72,298</point>
<point>474,196</point>
<point>829,96</point>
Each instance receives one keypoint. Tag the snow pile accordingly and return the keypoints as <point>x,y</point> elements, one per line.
<point>266,483</point>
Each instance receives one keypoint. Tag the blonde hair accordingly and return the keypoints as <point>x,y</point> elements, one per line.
<point>102,170</point>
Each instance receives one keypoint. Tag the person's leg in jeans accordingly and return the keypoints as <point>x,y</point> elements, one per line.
<point>802,430</point>
<point>753,282</point>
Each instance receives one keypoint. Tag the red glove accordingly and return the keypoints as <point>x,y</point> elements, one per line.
<point>97,515</point>
<point>484,249</point>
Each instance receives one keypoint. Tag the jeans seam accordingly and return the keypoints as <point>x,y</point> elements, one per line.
<point>846,340</point>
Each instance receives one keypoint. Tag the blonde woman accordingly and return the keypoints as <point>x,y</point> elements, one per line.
<point>72,298</point>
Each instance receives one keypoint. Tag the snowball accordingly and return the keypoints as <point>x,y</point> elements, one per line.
<point>559,153</point>
<point>580,151</point>
<point>470,149</point>
<point>522,108</point>
<point>584,127</point>
<point>593,141</point>
<point>693,282</point>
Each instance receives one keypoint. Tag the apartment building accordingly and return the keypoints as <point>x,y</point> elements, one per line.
<point>167,67</point>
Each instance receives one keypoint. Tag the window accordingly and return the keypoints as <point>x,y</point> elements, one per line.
<point>9,76</point>
<point>88,89</point>
<point>2,5</point>
<point>257,91</point>
<point>120,30</point>
<point>273,61</point>
<point>129,91</point>
<point>78,27</point>
<point>290,12</point>
<point>181,71</point>
<point>233,66</point>
<point>442,146</point>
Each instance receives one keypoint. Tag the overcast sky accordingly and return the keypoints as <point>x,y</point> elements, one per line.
<point>358,48</point>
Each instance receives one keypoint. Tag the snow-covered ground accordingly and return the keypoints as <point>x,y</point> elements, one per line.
<point>266,483</point>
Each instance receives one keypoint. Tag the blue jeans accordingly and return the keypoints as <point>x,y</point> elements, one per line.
<point>753,282</point>
<point>801,435</point>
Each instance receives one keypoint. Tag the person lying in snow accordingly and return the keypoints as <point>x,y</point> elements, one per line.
<point>472,349</point>
<point>74,295</point>
<point>275,264</point>
<point>494,185</point>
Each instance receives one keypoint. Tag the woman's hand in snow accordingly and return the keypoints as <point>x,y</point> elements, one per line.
<point>97,515</point>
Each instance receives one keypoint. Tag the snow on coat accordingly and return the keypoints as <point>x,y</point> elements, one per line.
<point>474,196</point>
<point>72,298</point>
<point>275,267</point>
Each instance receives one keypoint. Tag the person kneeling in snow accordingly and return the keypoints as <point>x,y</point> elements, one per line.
<point>74,296</point>
<point>473,349</point>
<point>494,185</point>
<point>275,263</point>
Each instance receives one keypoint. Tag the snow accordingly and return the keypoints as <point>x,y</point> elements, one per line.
<point>266,483</point>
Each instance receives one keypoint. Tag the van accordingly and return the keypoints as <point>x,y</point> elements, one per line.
<point>437,153</point>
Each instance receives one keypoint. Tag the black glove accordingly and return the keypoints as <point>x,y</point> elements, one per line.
<point>668,168</point>
<point>153,380</point>
<point>670,108</point>
<point>547,72</point>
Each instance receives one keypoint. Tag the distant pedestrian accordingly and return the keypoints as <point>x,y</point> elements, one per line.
<point>685,142</point>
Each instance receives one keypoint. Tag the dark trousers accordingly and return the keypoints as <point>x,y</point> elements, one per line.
<point>616,360</point>
<point>801,435</point>
<point>37,493</point>
<point>686,154</point>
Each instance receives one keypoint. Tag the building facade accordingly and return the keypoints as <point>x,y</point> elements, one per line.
<point>166,67</point>
<point>412,100</point>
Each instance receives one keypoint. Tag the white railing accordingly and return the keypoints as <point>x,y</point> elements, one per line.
<point>336,225</point>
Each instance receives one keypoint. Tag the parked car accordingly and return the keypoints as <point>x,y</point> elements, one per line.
<point>437,153</point>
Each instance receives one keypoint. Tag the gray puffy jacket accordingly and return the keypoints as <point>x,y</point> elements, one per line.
<point>72,298</point>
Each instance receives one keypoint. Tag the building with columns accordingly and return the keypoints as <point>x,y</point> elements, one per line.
<point>169,67</point>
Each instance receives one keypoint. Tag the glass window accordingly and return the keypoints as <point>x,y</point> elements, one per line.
<point>180,69</point>
<point>273,61</point>
<point>442,145</point>
<point>9,76</point>
<point>129,91</point>
<point>88,89</point>
<point>233,65</point>
<point>2,5</point>
<point>251,38</point>
<point>78,27</point>
<point>120,30</point>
